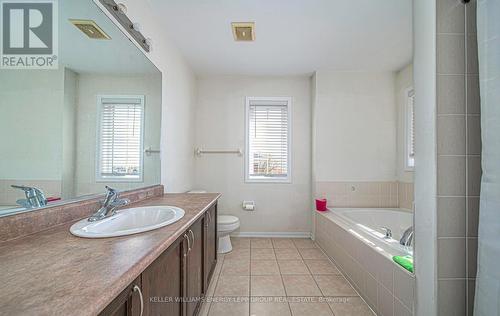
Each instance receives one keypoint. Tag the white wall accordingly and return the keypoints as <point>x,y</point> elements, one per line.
<point>355,126</point>
<point>69,134</point>
<point>220,123</point>
<point>178,99</point>
<point>31,124</point>
<point>404,81</point>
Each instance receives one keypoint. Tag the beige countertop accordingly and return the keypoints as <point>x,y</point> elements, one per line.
<point>55,273</point>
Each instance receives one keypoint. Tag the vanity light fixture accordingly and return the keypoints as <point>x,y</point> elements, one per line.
<point>243,31</point>
<point>136,26</point>
<point>119,12</point>
<point>90,28</point>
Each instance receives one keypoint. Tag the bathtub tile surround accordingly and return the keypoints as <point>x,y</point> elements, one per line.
<point>406,195</point>
<point>388,288</point>
<point>458,154</point>
<point>281,287</point>
<point>358,194</point>
<point>385,194</point>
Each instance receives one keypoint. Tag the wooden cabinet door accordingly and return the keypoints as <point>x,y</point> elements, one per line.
<point>194,268</point>
<point>210,240</point>
<point>127,303</point>
<point>162,283</point>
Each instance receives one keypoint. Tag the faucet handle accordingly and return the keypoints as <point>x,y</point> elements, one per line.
<point>21,187</point>
<point>120,202</point>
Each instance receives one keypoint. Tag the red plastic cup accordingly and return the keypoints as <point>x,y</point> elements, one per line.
<point>321,205</point>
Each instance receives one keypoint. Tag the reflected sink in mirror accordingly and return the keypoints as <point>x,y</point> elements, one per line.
<point>128,221</point>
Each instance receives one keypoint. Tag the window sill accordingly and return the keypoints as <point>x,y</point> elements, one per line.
<point>278,181</point>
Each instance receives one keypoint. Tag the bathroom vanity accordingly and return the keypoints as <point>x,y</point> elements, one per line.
<point>175,282</point>
<point>94,122</point>
<point>163,272</point>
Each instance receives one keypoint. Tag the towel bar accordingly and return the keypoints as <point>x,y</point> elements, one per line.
<point>199,152</point>
<point>148,151</point>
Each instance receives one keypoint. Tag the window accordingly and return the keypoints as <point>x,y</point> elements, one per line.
<point>410,130</point>
<point>268,138</point>
<point>120,138</point>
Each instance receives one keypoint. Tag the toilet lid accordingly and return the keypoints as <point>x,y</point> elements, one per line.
<point>227,219</point>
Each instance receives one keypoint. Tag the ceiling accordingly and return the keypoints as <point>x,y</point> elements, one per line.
<point>292,36</point>
<point>85,55</point>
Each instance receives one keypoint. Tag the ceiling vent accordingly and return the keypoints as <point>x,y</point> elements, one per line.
<point>243,31</point>
<point>91,29</point>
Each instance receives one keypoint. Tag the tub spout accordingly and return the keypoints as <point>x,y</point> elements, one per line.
<point>407,238</point>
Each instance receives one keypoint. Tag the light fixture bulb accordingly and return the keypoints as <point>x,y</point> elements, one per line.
<point>122,8</point>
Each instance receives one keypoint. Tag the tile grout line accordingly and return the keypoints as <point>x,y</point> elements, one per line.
<point>314,279</point>
<point>216,284</point>
<point>466,40</point>
<point>282,281</point>
<point>250,278</point>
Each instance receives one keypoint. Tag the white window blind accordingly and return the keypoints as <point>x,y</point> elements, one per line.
<point>410,130</point>
<point>268,140</point>
<point>120,138</point>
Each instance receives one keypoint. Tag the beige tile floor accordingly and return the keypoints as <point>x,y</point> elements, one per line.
<point>279,277</point>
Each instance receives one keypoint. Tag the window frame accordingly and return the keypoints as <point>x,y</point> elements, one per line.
<point>248,103</point>
<point>408,113</point>
<point>98,176</point>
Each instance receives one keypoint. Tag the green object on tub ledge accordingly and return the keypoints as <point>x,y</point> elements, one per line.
<point>404,261</point>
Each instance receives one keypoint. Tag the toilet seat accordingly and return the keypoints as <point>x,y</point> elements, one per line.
<point>227,223</point>
<point>227,219</point>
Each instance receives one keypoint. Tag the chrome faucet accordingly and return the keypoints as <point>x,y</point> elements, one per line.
<point>407,238</point>
<point>388,232</point>
<point>34,197</point>
<point>108,206</point>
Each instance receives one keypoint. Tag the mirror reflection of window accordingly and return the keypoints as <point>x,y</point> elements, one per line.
<point>120,139</point>
<point>57,140</point>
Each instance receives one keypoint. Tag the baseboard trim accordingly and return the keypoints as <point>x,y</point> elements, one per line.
<point>273,234</point>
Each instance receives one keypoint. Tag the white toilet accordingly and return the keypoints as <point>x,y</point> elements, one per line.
<point>226,224</point>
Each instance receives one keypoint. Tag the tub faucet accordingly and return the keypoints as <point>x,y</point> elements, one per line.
<point>34,197</point>
<point>388,232</point>
<point>407,238</point>
<point>110,203</point>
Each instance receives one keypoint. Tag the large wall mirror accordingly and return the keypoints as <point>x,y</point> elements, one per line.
<point>94,121</point>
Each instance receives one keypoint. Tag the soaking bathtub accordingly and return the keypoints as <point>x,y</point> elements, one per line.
<point>355,239</point>
<point>372,224</point>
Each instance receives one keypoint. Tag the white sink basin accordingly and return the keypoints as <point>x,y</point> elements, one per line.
<point>128,221</point>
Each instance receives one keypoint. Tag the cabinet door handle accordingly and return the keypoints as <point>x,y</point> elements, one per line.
<point>209,217</point>
<point>189,245</point>
<point>138,289</point>
<point>192,234</point>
